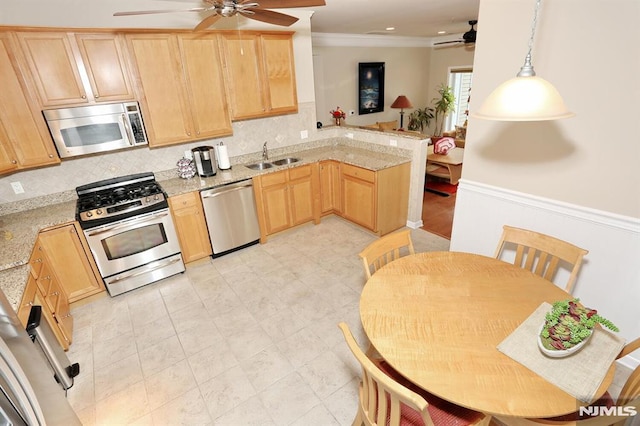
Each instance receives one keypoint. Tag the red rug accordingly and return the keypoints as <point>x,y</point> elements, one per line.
<point>440,188</point>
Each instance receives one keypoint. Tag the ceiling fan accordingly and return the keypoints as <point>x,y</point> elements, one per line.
<point>249,9</point>
<point>467,38</point>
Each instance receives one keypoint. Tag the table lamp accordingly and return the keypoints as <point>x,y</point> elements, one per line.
<point>401,102</point>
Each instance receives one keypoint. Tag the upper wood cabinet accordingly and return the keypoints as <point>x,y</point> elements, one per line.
<point>260,74</point>
<point>24,138</point>
<point>181,85</point>
<point>70,68</point>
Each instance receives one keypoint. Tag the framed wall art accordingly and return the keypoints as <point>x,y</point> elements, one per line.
<point>370,87</point>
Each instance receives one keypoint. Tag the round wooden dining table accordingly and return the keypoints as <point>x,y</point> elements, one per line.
<point>437,318</point>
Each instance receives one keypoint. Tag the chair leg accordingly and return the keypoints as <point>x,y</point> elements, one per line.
<point>358,420</point>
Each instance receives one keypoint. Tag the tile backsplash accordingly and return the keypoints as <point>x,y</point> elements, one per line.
<point>248,137</point>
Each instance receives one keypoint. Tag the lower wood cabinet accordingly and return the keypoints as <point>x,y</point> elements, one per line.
<point>191,226</point>
<point>62,271</point>
<point>330,187</point>
<point>376,200</point>
<point>287,198</point>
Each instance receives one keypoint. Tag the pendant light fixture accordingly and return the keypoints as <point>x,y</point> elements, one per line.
<point>525,97</point>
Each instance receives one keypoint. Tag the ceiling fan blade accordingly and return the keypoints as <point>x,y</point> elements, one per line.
<point>449,42</point>
<point>283,4</point>
<point>207,22</point>
<point>271,17</point>
<point>150,12</point>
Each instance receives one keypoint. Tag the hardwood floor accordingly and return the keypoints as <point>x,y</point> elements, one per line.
<point>437,214</point>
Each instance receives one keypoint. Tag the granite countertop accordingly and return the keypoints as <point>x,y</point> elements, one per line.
<point>18,231</point>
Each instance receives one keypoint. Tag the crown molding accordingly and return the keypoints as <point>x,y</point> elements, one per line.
<point>367,40</point>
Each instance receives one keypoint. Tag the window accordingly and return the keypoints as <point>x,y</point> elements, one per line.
<point>460,80</point>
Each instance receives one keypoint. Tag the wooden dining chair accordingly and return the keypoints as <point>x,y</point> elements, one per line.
<point>540,253</point>
<point>386,249</point>
<point>385,397</point>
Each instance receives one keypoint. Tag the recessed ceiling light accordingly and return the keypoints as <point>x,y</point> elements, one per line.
<point>442,32</point>
<point>390,28</point>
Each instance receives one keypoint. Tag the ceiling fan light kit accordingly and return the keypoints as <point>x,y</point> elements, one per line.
<point>229,8</point>
<point>525,97</point>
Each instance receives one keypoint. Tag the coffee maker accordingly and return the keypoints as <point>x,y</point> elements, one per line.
<point>204,158</point>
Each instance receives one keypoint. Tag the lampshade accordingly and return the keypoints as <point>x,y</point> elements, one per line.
<point>525,97</point>
<point>401,102</point>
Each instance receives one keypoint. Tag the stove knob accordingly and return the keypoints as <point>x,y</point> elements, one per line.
<point>147,199</point>
<point>99,211</point>
<point>156,197</point>
<point>89,214</point>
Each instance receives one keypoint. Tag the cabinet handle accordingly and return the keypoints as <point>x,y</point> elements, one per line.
<point>66,316</point>
<point>55,293</point>
<point>48,277</point>
<point>14,162</point>
<point>50,155</point>
<point>28,304</point>
<point>38,260</point>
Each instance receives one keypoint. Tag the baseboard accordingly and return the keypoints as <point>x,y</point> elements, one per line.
<point>414,224</point>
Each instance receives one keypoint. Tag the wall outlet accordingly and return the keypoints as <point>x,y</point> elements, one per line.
<point>304,134</point>
<point>17,188</point>
<point>349,135</point>
<point>393,142</point>
<point>352,112</point>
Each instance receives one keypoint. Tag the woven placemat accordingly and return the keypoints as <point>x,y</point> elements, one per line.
<point>580,374</point>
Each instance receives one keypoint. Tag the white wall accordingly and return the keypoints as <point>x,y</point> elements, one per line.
<point>577,179</point>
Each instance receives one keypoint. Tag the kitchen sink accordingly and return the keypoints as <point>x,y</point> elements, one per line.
<point>259,166</point>
<point>287,160</point>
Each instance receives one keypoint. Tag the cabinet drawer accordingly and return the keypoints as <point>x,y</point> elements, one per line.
<point>299,172</point>
<point>183,201</point>
<point>36,261</point>
<point>358,172</point>
<point>270,179</point>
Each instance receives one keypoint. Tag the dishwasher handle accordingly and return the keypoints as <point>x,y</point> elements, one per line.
<point>211,193</point>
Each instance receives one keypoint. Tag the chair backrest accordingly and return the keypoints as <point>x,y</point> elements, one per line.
<point>541,253</point>
<point>386,249</point>
<point>380,396</point>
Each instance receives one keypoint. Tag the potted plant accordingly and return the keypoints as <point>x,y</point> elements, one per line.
<point>568,326</point>
<point>420,119</point>
<point>443,105</point>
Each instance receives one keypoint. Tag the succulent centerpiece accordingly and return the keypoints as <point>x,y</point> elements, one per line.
<point>568,326</point>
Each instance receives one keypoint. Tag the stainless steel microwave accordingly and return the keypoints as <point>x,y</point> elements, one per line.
<point>96,128</point>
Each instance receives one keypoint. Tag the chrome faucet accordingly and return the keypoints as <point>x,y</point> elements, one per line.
<point>265,153</point>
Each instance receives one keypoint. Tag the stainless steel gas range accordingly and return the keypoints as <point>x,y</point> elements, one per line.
<point>128,226</point>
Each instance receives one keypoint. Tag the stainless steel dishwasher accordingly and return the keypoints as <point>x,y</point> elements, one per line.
<point>231,216</point>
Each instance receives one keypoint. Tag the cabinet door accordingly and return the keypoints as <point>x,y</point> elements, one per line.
<point>104,61</point>
<point>301,194</point>
<point>280,76</point>
<point>8,162</point>
<point>70,263</point>
<point>164,105</point>
<point>358,193</point>
<point>273,202</point>
<point>26,137</point>
<point>191,226</point>
<point>201,63</point>
<point>53,67</point>
<point>62,313</point>
<point>53,322</point>
<point>243,75</point>
<point>329,186</point>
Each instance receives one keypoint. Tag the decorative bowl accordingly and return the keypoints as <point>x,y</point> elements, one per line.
<point>561,353</point>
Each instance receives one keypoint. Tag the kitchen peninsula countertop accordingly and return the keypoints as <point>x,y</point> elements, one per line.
<point>19,230</point>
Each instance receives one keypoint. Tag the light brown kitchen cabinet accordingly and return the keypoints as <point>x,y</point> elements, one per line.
<point>260,74</point>
<point>191,226</point>
<point>24,138</point>
<point>330,186</point>
<point>70,257</point>
<point>287,198</point>
<point>71,69</point>
<point>181,87</point>
<point>377,200</point>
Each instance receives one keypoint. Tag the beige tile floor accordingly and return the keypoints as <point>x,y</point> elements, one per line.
<point>250,338</point>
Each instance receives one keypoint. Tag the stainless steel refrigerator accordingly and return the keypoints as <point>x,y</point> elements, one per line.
<point>29,392</point>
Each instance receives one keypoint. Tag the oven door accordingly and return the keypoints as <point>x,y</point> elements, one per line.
<point>133,242</point>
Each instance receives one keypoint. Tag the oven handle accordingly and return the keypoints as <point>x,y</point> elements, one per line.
<point>125,122</point>
<point>127,224</point>
<point>151,266</point>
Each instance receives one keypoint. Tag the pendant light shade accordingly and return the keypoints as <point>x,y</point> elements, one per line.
<point>525,97</point>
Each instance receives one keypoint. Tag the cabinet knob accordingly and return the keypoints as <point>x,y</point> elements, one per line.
<point>96,96</point>
<point>14,162</point>
<point>66,316</point>
<point>84,96</point>
<point>48,277</point>
<point>55,293</point>
<point>50,155</point>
